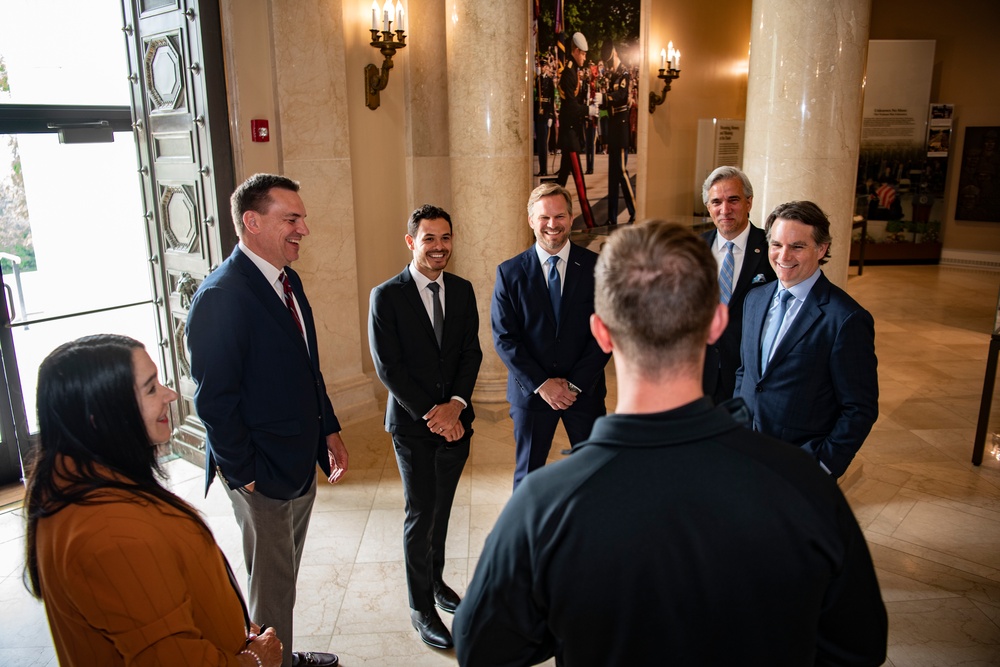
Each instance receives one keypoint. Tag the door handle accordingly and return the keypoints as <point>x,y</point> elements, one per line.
<point>11,313</point>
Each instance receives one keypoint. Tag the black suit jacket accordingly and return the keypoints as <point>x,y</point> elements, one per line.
<point>525,334</point>
<point>418,373</point>
<point>260,392</point>
<point>722,359</point>
<point>820,390</point>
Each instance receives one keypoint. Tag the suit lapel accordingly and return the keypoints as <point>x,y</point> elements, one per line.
<point>757,313</point>
<point>573,271</point>
<point>755,252</point>
<point>811,310</point>
<point>412,296</point>
<point>538,289</point>
<point>273,304</point>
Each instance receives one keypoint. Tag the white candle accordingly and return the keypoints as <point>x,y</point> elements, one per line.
<point>390,14</point>
<point>670,54</point>
<point>677,60</point>
<point>663,59</point>
<point>400,16</point>
<point>374,12</point>
<point>385,21</point>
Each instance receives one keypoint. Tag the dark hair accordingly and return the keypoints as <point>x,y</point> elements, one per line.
<point>88,416</point>
<point>254,194</point>
<point>807,213</point>
<point>426,212</point>
<point>657,290</point>
<point>606,50</point>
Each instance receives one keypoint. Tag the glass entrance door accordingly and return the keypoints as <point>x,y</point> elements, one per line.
<point>73,242</point>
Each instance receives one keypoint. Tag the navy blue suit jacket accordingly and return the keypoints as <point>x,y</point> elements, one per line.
<point>820,391</point>
<point>527,339</point>
<point>260,392</point>
<point>417,372</point>
<point>722,359</point>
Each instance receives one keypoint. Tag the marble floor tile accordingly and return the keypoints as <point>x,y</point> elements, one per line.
<point>936,632</point>
<point>932,520</point>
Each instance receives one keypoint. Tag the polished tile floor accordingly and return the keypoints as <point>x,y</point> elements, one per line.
<point>931,518</point>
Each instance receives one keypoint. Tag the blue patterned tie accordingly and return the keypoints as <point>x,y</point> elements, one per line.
<point>726,275</point>
<point>772,329</point>
<point>555,289</point>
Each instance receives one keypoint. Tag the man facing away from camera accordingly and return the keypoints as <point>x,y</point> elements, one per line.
<point>674,534</point>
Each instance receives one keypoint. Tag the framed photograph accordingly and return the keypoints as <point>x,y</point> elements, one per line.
<point>979,181</point>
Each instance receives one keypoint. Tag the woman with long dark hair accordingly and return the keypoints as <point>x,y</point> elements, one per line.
<point>129,572</point>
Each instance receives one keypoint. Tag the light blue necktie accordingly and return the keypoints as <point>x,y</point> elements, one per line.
<point>772,329</point>
<point>726,275</point>
<point>555,289</point>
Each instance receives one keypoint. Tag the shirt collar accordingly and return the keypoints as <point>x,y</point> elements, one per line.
<point>421,280</point>
<point>543,255</point>
<point>739,242</point>
<point>801,291</point>
<point>269,270</point>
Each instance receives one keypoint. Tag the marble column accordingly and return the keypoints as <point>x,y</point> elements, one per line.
<point>490,147</point>
<point>312,113</point>
<point>804,107</point>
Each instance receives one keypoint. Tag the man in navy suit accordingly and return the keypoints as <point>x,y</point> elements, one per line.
<point>423,330</point>
<point>728,195</point>
<point>262,397</point>
<point>542,303</point>
<point>809,373</point>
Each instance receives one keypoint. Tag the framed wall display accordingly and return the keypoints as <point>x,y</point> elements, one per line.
<point>979,181</point>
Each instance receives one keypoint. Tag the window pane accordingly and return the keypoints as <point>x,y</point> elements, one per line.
<point>79,57</point>
<point>33,343</point>
<point>73,212</point>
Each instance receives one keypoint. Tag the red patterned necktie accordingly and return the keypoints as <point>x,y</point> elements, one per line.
<point>287,287</point>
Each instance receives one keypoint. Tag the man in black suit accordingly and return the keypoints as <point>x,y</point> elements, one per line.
<point>540,313</point>
<point>423,330</point>
<point>728,195</point>
<point>262,397</point>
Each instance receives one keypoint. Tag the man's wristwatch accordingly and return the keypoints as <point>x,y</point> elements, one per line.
<point>573,388</point>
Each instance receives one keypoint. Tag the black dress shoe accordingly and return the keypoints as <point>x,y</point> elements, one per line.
<point>431,629</point>
<point>445,598</point>
<point>315,659</point>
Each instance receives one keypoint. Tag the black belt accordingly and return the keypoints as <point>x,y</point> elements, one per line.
<point>619,109</point>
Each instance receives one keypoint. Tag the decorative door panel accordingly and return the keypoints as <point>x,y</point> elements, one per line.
<point>178,96</point>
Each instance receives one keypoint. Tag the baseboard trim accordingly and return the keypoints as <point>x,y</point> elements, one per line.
<point>970,259</point>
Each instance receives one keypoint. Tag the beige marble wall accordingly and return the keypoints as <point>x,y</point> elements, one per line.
<point>250,85</point>
<point>427,164</point>
<point>490,150</point>
<point>309,65</point>
<point>714,41</point>
<point>807,64</point>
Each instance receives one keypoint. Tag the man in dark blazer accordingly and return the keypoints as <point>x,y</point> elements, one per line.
<point>423,330</point>
<point>728,195</point>
<point>809,372</point>
<point>673,520</point>
<point>262,397</point>
<point>540,315</point>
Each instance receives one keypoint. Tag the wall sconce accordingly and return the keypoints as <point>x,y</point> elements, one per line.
<point>377,79</point>
<point>669,70</point>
